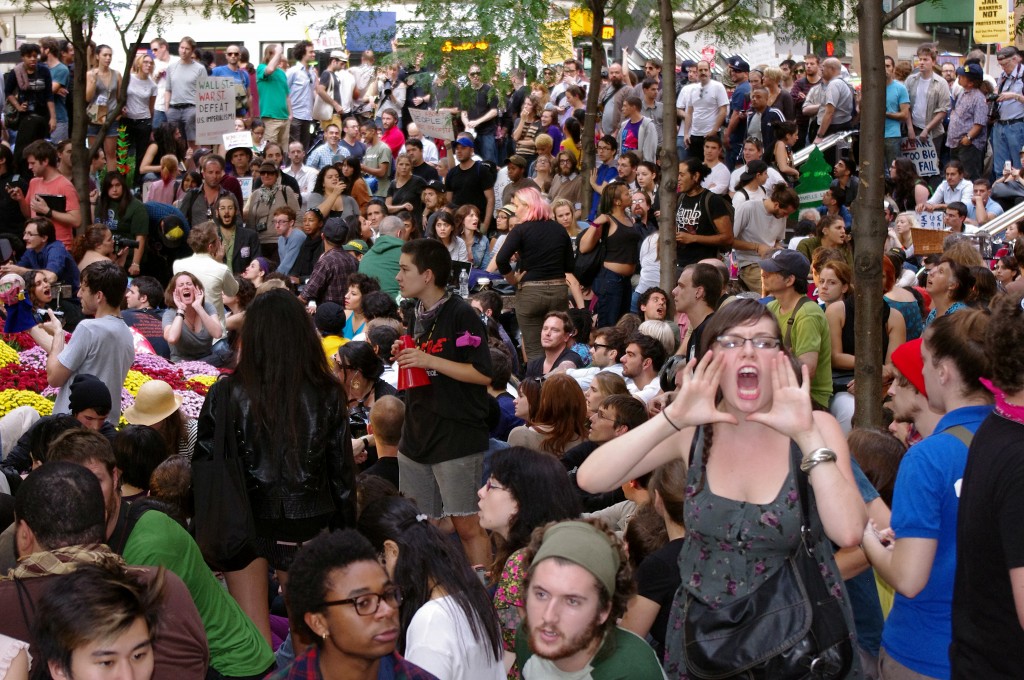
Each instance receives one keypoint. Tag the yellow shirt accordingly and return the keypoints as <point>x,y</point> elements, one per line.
<point>331,344</point>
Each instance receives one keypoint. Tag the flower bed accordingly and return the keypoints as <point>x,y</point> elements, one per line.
<point>23,378</point>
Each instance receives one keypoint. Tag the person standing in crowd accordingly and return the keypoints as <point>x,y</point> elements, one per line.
<point>284,444</point>
<point>919,555</point>
<point>802,86</point>
<point>41,157</point>
<point>610,100</point>
<point>837,109</point>
<point>101,346</point>
<point>441,459</point>
<point>897,113</point>
<point>162,59</point>
<point>482,115</point>
<point>336,86</point>
<point>377,159</point>
<point>301,80</point>
<point>545,256</point>
<point>138,109</point>
<point>61,77</point>
<point>988,639</point>
<point>637,132</point>
<point>1008,131</point>
<point>703,222</point>
<point>180,96</point>
<point>272,86</point>
<point>704,107</point>
<point>29,89</point>
<point>929,99</point>
<point>739,103</point>
<point>470,182</point>
<point>622,240</point>
<point>232,70</point>
<point>967,137</point>
<point>606,171</point>
<point>329,280</point>
<point>578,584</point>
<point>747,442</point>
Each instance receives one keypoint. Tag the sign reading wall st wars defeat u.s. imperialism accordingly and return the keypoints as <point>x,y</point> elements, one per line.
<point>215,109</point>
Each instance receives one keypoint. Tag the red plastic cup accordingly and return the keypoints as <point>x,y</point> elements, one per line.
<point>411,377</point>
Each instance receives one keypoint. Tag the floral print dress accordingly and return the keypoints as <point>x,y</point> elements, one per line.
<point>732,547</point>
<point>509,599</point>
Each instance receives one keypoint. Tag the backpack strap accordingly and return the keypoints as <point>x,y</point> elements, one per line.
<point>962,433</point>
<point>792,319</point>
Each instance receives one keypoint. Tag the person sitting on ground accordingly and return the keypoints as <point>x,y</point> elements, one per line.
<point>95,244</point>
<point>560,421</point>
<point>141,315</point>
<point>190,322</point>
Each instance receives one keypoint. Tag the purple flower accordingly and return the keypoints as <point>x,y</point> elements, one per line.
<point>769,519</point>
<point>725,546</point>
<point>730,587</point>
<point>695,579</point>
<point>760,567</point>
<point>191,403</point>
<point>33,358</point>
<point>792,497</point>
<point>704,554</point>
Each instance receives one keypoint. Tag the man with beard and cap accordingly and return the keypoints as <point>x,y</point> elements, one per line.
<point>577,587</point>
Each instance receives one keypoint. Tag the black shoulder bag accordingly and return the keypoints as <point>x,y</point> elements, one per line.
<point>790,628</point>
<point>223,523</point>
<point>588,265</point>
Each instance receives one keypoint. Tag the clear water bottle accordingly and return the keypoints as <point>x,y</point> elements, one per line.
<point>464,283</point>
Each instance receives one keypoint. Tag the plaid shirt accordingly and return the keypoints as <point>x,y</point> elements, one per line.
<point>393,667</point>
<point>329,280</point>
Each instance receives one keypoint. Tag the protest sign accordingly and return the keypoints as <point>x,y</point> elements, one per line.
<point>433,124</point>
<point>215,109</point>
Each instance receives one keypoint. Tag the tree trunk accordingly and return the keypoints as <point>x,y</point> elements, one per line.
<point>587,146</point>
<point>80,156</point>
<point>668,157</point>
<point>869,226</point>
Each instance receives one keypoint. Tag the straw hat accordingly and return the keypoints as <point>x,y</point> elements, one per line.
<point>154,402</point>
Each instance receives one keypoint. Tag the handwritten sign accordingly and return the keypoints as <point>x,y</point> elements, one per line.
<point>932,220</point>
<point>556,41</point>
<point>923,155</point>
<point>215,108</point>
<point>433,124</point>
<point>235,140</point>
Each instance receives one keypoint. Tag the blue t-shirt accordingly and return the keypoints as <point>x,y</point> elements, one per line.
<point>239,75</point>
<point>991,207</point>
<point>924,505</point>
<point>605,173</point>
<point>53,257</point>
<point>60,74</point>
<point>740,101</point>
<point>895,95</point>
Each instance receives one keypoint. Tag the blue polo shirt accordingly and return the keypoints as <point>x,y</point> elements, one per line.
<point>924,505</point>
<point>55,258</point>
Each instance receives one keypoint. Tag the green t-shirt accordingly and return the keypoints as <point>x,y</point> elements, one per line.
<point>623,656</point>
<point>273,89</point>
<point>236,646</point>
<point>810,334</point>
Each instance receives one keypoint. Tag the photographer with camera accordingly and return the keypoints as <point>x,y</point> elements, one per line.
<point>45,253</point>
<point>45,296</point>
<point>127,218</point>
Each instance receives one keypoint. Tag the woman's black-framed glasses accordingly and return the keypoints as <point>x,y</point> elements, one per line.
<point>369,603</point>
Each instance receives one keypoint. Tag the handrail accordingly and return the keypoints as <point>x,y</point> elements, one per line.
<point>801,156</point>
<point>1000,223</point>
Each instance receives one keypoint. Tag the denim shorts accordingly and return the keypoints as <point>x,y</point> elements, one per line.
<point>442,489</point>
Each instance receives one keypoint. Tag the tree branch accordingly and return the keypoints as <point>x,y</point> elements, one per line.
<point>899,9</point>
<point>710,15</point>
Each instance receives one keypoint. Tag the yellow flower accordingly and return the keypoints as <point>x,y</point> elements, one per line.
<point>134,380</point>
<point>12,399</point>
<point>8,355</point>
<point>207,380</point>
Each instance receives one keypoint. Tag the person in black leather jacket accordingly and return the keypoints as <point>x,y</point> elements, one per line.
<point>291,427</point>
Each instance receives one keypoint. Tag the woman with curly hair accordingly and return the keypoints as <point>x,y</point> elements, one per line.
<point>561,418</point>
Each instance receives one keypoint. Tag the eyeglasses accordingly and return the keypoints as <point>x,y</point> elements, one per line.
<point>738,341</point>
<point>474,73</point>
<point>605,147</point>
<point>602,416</point>
<point>29,233</point>
<point>232,54</point>
<point>368,604</point>
<point>598,345</point>
<point>701,95</point>
<point>491,486</point>
<point>268,172</point>
<point>282,220</point>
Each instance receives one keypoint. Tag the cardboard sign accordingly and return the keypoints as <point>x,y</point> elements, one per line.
<point>234,140</point>
<point>815,178</point>
<point>433,124</point>
<point>556,41</point>
<point>923,155</point>
<point>215,108</point>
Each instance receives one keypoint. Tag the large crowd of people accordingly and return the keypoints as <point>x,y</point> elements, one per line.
<point>458,432</point>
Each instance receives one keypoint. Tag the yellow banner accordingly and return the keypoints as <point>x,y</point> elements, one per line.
<point>991,21</point>
<point>556,39</point>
